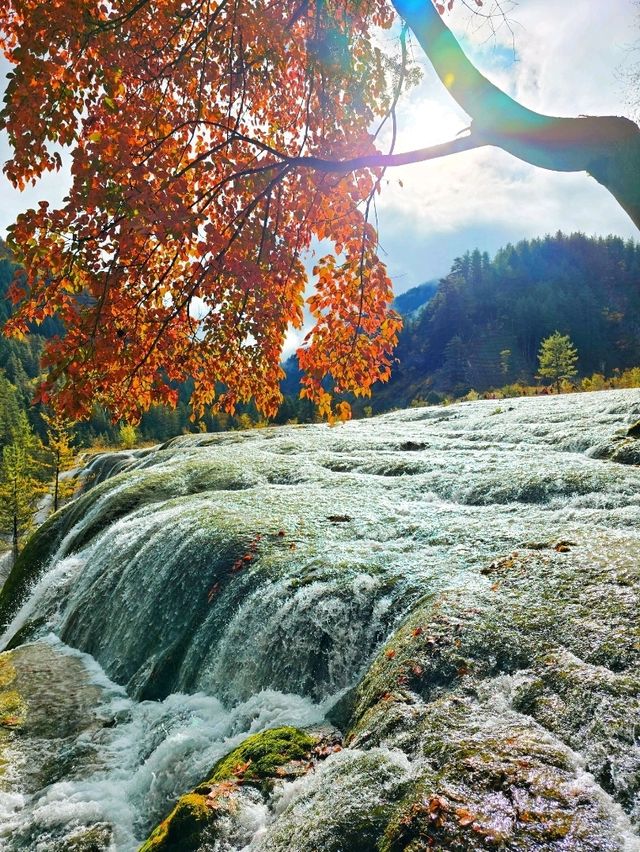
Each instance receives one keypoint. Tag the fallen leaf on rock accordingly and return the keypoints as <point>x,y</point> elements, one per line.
<point>465,817</point>
<point>325,750</point>
<point>241,768</point>
<point>220,793</point>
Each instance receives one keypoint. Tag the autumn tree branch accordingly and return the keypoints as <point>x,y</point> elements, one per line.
<point>607,147</point>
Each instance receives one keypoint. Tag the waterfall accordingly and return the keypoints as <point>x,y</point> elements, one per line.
<point>221,584</point>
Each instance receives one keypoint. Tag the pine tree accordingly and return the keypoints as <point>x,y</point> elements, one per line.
<point>9,411</point>
<point>20,488</point>
<point>557,358</point>
<point>60,455</point>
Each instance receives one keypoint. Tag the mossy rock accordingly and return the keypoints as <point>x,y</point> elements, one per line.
<point>627,453</point>
<point>12,709</point>
<point>29,565</point>
<point>344,805</point>
<point>260,758</point>
<point>634,430</point>
<point>498,781</point>
<point>620,449</point>
<point>258,761</point>
<point>558,632</point>
<point>184,829</point>
<point>94,838</point>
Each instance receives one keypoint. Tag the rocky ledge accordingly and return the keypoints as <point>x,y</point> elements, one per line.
<point>465,732</point>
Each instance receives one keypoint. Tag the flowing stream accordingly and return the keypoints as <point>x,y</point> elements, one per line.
<point>224,584</point>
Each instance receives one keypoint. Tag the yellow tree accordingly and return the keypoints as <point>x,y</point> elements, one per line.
<point>557,358</point>
<point>60,455</point>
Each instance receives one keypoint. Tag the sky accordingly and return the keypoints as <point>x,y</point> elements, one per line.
<point>562,58</point>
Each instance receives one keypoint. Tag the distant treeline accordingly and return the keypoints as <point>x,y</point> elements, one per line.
<point>483,327</point>
<point>479,328</point>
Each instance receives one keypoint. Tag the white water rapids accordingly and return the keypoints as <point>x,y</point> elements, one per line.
<point>229,583</point>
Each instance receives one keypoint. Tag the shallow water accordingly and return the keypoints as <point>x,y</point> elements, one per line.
<point>233,582</point>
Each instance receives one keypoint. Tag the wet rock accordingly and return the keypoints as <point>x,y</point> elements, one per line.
<point>344,805</point>
<point>47,721</point>
<point>241,781</point>
<point>97,838</point>
<point>29,565</point>
<point>634,431</point>
<point>413,446</point>
<point>627,453</point>
<point>496,781</point>
<point>623,449</point>
<point>493,697</point>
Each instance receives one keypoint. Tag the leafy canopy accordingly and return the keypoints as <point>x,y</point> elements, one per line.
<point>193,127</point>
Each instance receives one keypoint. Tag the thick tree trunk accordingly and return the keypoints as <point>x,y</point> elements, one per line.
<point>607,147</point>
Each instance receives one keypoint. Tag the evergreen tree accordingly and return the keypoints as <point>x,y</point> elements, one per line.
<point>9,411</point>
<point>60,455</point>
<point>557,358</point>
<point>19,485</point>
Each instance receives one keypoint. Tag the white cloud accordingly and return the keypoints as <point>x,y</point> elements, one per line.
<point>567,61</point>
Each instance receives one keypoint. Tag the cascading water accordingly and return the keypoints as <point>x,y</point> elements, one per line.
<point>224,584</point>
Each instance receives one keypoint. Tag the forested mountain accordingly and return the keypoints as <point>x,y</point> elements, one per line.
<point>484,325</point>
<point>416,298</point>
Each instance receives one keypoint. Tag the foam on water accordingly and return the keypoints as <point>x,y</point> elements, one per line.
<point>146,756</point>
<point>242,580</point>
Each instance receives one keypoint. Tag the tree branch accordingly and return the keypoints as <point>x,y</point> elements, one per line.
<point>373,161</point>
<point>607,147</point>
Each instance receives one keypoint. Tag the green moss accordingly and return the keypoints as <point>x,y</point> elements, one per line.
<point>258,759</point>
<point>182,830</point>
<point>12,709</point>
<point>7,670</point>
